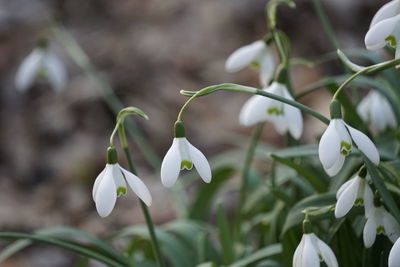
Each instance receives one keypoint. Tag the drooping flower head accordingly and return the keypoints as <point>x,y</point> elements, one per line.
<point>112,183</point>
<point>384,28</point>
<point>284,117</point>
<point>375,109</point>
<point>379,221</point>
<point>354,192</point>
<point>258,53</point>
<point>312,251</point>
<point>183,155</point>
<point>338,140</point>
<point>41,63</point>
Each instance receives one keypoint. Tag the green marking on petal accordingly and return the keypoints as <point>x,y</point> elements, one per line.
<point>359,202</point>
<point>185,164</point>
<point>391,39</point>
<point>320,257</point>
<point>345,148</point>
<point>275,111</point>
<point>121,191</point>
<point>380,229</point>
<point>255,64</point>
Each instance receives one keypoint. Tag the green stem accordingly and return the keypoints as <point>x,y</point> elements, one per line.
<point>82,60</point>
<point>245,174</point>
<point>145,210</point>
<point>252,90</point>
<point>325,23</point>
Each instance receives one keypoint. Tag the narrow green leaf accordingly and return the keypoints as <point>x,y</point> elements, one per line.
<point>225,236</point>
<point>258,255</point>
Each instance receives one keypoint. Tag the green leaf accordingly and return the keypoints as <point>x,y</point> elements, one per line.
<point>317,182</point>
<point>296,216</point>
<point>225,236</point>
<point>201,205</point>
<point>258,255</point>
<point>297,151</point>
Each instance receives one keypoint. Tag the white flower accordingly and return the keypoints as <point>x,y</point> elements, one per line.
<point>285,118</point>
<point>257,52</point>
<point>355,191</point>
<point>379,221</point>
<point>311,251</point>
<point>384,28</point>
<point>375,109</point>
<point>111,183</point>
<point>337,142</point>
<point>394,255</point>
<point>41,63</point>
<point>183,155</point>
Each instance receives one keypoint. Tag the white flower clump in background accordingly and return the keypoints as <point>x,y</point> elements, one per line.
<point>375,109</point>
<point>41,63</point>
<point>284,117</point>
<point>258,53</point>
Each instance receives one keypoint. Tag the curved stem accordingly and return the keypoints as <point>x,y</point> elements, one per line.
<point>145,210</point>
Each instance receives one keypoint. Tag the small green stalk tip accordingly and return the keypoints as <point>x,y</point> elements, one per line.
<point>335,109</point>
<point>307,227</point>
<point>179,129</point>
<point>281,75</point>
<point>112,155</point>
<point>363,172</point>
<point>377,200</point>
<point>43,42</point>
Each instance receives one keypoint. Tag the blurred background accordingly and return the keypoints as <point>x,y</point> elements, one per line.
<point>52,145</point>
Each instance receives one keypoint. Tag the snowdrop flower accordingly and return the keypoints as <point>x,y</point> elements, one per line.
<point>356,192</point>
<point>384,28</point>
<point>379,221</point>
<point>285,118</point>
<point>258,53</point>
<point>394,255</point>
<point>375,109</point>
<point>337,142</point>
<point>111,183</point>
<point>312,251</point>
<point>41,63</point>
<point>183,155</point>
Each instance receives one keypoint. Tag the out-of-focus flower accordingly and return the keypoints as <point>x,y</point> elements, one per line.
<point>41,63</point>
<point>384,28</point>
<point>284,117</point>
<point>394,255</point>
<point>337,142</point>
<point>356,191</point>
<point>312,251</point>
<point>183,155</point>
<point>379,221</point>
<point>111,183</point>
<point>374,108</point>
<point>258,53</point>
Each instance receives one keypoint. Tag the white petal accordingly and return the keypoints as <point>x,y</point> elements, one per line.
<point>364,144</point>
<point>137,186</point>
<point>106,195</point>
<point>369,233</point>
<point>364,108</point>
<point>344,187</point>
<point>392,228</point>
<point>28,70</point>
<point>298,254</point>
<point>243,56</point>
<point>97,182</point>
<point>55,71</point>
<point>378,118</point>
<point>293,117</point>
<point>171,165</point>
<point>375,37</point>
<point>310,256</point>
<point>347,199</point>
<point>329,146</point>
<point>327,254</point>
<point>254,111</point>
<point>390,9</point>
<point>267,67</point>
<point>368,198</point>
<point>200,162</point>
<point>394,255</point>
<point>337,166</point>
<point>118,177</point>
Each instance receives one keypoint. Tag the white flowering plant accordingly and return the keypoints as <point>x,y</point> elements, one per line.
<point>334,202</point>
